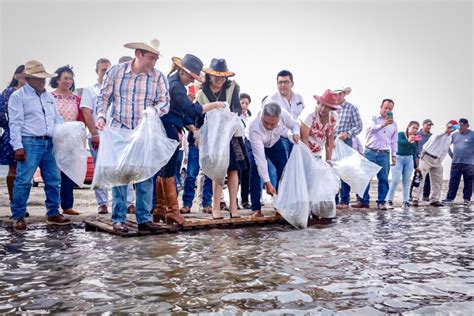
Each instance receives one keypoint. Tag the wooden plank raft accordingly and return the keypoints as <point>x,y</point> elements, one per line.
<point>193,221</point>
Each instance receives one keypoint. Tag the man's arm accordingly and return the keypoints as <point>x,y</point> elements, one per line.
<point>16,120</point>
<point>258,150</point>
<point>162,99</point>
<point>358,123</point>
<point>105,95</point>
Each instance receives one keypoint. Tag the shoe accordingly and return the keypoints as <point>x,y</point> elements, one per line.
<point>185,210</point>
<point>217,218</point>
<point>448,202</point>
<point>19,225</point>
<point>246,206</point>
<point>59,220</point>
<point>27,214</point>
<point>120,227</point>
<point>278,216</point>
<point>257,214</point>
<point>159,212</point>
<point>224,207</point>
<point>382,207</point>
<point>414,203</point>
<point>173,216</point>
<point>437,204</point>
<point>131,209</point>
<point>342,206</point>
<point>466,203</point>
<point>360,205</point>
<point>102,209</point>
<point>390,205</point>
<point>426,199</point>
<point>406,205</point>
<point>207,209</point>
<point>149,227</point>
<point>71,212</point>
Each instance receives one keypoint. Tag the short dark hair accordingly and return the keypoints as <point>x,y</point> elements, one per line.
<point>124,59</point>
<point>54,81</point>
<point>285,73</point>
<point>245,96</point>
<point>14,81</point>
<point>101,61</point>
<point>387,100</point>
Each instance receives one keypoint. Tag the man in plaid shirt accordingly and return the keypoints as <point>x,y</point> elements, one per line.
<point>349,126</point>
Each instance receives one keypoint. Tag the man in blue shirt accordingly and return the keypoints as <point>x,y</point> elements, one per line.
<point>462,164</point>
<point>33,112</point>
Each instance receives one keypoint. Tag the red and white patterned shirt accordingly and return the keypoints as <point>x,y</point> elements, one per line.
<point>318,133</point>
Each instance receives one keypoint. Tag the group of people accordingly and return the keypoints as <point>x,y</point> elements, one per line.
<point>258,151</point>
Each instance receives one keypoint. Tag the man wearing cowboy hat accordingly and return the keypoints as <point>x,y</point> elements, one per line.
<point>182,113</point>
<point>349,126</point>
<point>129,88</point>
<point>33,113</point>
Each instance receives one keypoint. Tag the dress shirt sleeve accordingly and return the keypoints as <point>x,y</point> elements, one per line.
<point>258,150</point>
<point>16,117</point>
<point>290,123</point>
<point>87,101</point>
<point>58,119</point>
<point>162,100</point>
<point>357,122</point>
<point>373,126</point>
<point>184,105</point>
<point>106,92</point>
<point>394,140</point>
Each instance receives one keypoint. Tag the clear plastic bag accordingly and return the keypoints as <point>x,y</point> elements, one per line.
<point>308,186</point>
<point>214,142</point>
<point>352,167</point>
<point>69,150</point>
<point>132,156</point>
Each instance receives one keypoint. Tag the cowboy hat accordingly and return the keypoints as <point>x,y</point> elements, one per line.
<point>34,69</point>
<point>346,90</point>
<point>152,47</point>
<point>191,64</point>
<point>218,68</point>
<point>329,98</point>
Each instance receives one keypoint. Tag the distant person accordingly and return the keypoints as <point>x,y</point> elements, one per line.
<point>425,134</point>
<point>32,114</point>
<point>89,112</point>
<point>349,126</point>
<point>432,156</point>
<point>68,105</point>
<point>7,154</point>
<point>380,148</point>
<point>462,164</point>
<point>289,101</point>
<point>403,169</point>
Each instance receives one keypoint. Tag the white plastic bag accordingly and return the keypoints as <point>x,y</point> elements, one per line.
<point>308,185</point>
<point>214,147</point>
<point>352,167</point>
<point>69,150</point>
<point>132,156</point>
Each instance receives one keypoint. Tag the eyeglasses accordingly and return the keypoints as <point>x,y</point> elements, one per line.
<point>283,82</point>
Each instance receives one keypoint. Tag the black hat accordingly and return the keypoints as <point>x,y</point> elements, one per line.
<point>219,68</point>
<point>463,121</point>
<point>191,64</point>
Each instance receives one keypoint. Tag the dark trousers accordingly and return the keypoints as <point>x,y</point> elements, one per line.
<point>67,192</point>
<point>345,188</point>
<point>426,187</point>
<point>277,155</point>
<point>244,178</point>
<point>467,172</point>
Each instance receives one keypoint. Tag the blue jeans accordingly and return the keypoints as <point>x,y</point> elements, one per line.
<point>467,172</point>
<point>345,188</point>
<point>401,171</point>
<point>277,155</point>
<point>144,191</point>
<point>39,153</point>
<point>383,160</point>
<point>272,173</point>
<point>287,144</point>
<point>67,192</point>
<point>101,195</point>
<point>192,172</point>
<point>178,169</point>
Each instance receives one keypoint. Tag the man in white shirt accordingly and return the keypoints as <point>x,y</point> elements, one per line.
<point>289,101</point>
<point>432,156</point>
<point>265,138</point>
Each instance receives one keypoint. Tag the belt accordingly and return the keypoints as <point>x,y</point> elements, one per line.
<point>430,155</point>
<point>379,150</point>
<point>39,137</point>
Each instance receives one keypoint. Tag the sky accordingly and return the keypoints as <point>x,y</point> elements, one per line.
<point>418,53</point>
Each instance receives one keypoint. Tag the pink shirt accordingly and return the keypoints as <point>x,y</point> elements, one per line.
<point>68,106</point>
<point>379,138</point>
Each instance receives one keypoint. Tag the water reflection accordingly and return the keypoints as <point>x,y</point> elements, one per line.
<point>384,262</point>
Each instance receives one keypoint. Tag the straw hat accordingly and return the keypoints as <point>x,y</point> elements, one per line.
<point>346,90</point>
<point>218,68</point>
<point>153,46</point>
<point>34,69</point>
<point>191,64</point>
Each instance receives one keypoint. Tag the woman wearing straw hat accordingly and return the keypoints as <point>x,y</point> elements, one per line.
<point>182,113</point>
<point>217,87</point>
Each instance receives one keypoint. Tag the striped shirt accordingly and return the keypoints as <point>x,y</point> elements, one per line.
<point>349,120</point>
<point>129,94</point>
